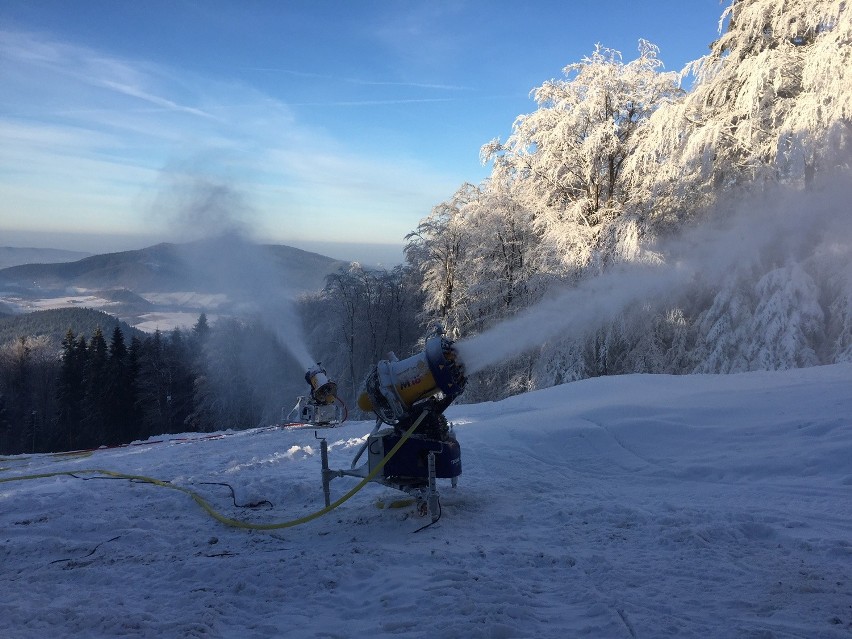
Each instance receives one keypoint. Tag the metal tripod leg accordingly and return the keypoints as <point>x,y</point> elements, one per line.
<point>432,493</point>
<point>326,473</point>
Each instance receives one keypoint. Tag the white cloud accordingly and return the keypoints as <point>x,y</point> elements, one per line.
<point>88,133</point>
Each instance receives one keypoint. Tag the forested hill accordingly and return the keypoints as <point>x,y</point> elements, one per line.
<point>54,324</point>
<point>167,267</point>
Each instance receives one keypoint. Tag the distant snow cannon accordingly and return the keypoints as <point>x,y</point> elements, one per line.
<point>419,446</point>
<point>322,407</point>
<point>323,390</point>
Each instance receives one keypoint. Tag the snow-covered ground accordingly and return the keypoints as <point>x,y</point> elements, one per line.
<point>81,300</point>
<point>637,506</point>
<point>177,310</point>
<point>168,321</point>
<point>186,307</point>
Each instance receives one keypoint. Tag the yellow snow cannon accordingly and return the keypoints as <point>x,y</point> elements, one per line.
<point>419,447</point>
<point>322,407</point>
<point>323,390</point>
<point>394,386</point>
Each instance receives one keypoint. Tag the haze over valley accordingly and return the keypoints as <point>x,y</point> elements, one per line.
<point>159,287</point>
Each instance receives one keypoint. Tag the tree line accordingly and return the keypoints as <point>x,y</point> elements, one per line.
<point>105,390</point>
<point>96,391</point>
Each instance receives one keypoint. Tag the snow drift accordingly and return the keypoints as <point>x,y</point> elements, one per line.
<point>693,506</point>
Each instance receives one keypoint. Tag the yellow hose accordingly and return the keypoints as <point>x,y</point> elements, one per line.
<point>235,523</point>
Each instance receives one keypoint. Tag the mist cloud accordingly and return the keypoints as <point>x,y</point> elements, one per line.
<point>216,219</point>
<point>765,231</point>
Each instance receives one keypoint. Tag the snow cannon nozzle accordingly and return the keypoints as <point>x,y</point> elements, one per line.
<point>323,390</point>
<point>394,386</point>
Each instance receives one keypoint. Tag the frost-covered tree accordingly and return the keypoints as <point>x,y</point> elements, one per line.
<point>771,101</point>
<point>502,266</point>
<point>566,159</point>
<point>788,325</point>
<point>779,273</point>
<point>436,248</point>
<point>358,318</point>
<point>776,322</point>
<point>840,328</point>
<point>617,161</point>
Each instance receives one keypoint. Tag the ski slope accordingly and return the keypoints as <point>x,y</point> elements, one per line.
<point>635,506</point>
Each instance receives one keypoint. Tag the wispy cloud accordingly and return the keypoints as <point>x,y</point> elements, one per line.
<point>428,35</point>
<point>359,103</point>
<point>136,92</point>
<point>416,85</point>
<point>28,57</point>
<point>362,81</point>
<point>88,134</point>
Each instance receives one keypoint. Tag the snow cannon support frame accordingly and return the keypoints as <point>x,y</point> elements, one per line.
<point>410,394</point>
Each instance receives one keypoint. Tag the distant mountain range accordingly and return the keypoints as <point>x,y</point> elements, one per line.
<point>14,256</point>
<point>171,267</point>
<point>165,285</point>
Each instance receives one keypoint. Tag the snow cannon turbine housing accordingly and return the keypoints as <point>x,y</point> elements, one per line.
<point>394,386</point>
<point>323,390</point>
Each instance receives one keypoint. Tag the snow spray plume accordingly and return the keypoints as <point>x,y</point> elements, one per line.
<point>571,312</point>
<point>246,273</point>
<point>771,229</point>
<point>198,207</point>
<point>229,262</point>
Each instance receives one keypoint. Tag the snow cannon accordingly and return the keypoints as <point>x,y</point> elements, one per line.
<point>394,386</point>
<point>322,407</point>
<point>419,446</point>
<point>323,390</point>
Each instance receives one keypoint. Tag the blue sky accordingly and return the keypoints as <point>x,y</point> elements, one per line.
<point>324,122</point>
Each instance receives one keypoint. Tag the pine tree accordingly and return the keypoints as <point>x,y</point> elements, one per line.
<point>71,390</point>
<point>153,387</point>
<point>134,423</point>
<point>119,396</point>
<point>95,411</point>
<point>201,329</point>
<point>179,360</point>
<point>4,427</point>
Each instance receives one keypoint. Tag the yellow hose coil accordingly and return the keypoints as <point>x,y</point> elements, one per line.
<point>235,523</point>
